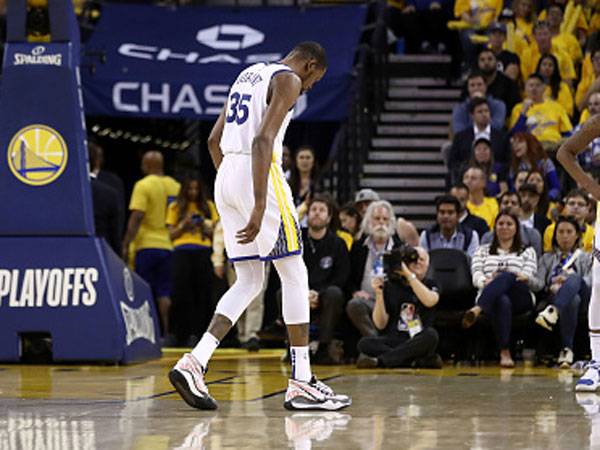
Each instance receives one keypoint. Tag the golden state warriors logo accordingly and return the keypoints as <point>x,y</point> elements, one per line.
<point>37,155</point>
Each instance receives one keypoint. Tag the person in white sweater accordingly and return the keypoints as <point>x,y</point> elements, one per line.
<point>501,271</point>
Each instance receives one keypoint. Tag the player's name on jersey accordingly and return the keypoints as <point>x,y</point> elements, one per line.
<point>249,77</point>
<point>56,287</point>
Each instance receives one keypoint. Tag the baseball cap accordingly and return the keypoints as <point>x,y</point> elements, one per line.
<point>366,195</point>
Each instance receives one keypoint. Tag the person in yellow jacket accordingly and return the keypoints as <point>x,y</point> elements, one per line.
<point>590,81</point>
<point>545,119</point>
<point>564,40</point>
<point>524,19</point>
<point>577,204</point>
<point>147,230</point>
<point>543,44</point>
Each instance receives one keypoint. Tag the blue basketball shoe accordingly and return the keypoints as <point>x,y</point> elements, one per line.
<point>590,381</point>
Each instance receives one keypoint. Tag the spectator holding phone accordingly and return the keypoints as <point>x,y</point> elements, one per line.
<point>564,278</point>
<point>191,220</point>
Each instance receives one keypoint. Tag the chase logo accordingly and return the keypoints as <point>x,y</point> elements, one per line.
<point>230,37</point>
<point>37,155</point>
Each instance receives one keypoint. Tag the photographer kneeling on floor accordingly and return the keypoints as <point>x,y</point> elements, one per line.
<point>403,314</point>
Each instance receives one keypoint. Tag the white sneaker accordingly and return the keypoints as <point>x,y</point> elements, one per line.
<point>548,317</point>
<point>590,380</point>
<point>565,358</point>
<point>313,395</point>
<point>187,377</point>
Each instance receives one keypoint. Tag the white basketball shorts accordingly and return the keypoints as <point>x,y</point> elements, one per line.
<point>279,234</point>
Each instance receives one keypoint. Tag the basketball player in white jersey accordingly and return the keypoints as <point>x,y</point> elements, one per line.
<point>260,222</point>
<point>567,155</point>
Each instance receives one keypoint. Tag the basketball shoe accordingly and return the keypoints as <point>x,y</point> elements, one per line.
<point>590,380</point>
<point>313,395</point>
<point>187,377</point>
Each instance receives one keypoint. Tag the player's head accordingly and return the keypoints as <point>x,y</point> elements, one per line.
<point>309,61</point>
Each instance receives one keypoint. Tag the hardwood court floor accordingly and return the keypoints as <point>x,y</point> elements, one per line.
<point>134,407</point>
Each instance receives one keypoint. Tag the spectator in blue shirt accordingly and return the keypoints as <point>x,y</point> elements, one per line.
<point>448,232</point>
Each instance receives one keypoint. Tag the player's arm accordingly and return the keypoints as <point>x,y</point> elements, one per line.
<point>284,91</point>
<point>567,154</point>
<point>214,139</point>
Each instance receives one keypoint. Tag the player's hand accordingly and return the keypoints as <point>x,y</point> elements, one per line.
<point>250,231</point>
<point>220,271</point>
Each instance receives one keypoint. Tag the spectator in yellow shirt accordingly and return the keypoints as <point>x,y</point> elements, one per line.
<point>148,232</point>
<point>556,89</point>
<point>543,44</point>
<point>577,204</point>
<point>567,42</point>
<point>191,220</point>
<point>590,81</point>
<point>545,119</point>
<point>524,19</point>
<point>478,204</point>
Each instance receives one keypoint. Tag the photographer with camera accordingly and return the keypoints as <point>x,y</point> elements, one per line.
<point>191,220</point>
<point>403,314</point>
<point>378,235</point>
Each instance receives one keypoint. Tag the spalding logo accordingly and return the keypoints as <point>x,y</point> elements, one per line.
<point>37,155</point>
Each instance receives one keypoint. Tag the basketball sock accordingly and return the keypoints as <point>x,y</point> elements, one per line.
<point>300,363</point>
<point>595,345</point>
<point>205,348</point>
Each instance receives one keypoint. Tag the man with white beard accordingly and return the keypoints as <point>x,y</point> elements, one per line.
<point>378,235</point>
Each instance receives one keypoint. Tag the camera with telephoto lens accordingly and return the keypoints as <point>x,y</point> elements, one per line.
<point>392,261</point>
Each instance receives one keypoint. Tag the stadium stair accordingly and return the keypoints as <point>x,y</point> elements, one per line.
<point>405,164</point>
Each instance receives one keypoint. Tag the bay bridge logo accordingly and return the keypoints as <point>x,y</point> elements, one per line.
<point>37,57</point>
<point>37,155</point>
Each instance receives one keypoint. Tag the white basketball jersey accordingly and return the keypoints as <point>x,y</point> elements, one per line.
<point>246,106</point>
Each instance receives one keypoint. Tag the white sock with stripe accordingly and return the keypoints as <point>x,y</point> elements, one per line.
<point>300,363</point>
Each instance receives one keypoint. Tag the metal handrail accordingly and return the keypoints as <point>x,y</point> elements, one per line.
<point>350,148</point>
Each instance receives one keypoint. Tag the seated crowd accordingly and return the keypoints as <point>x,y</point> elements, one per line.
<point>368,309</point>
